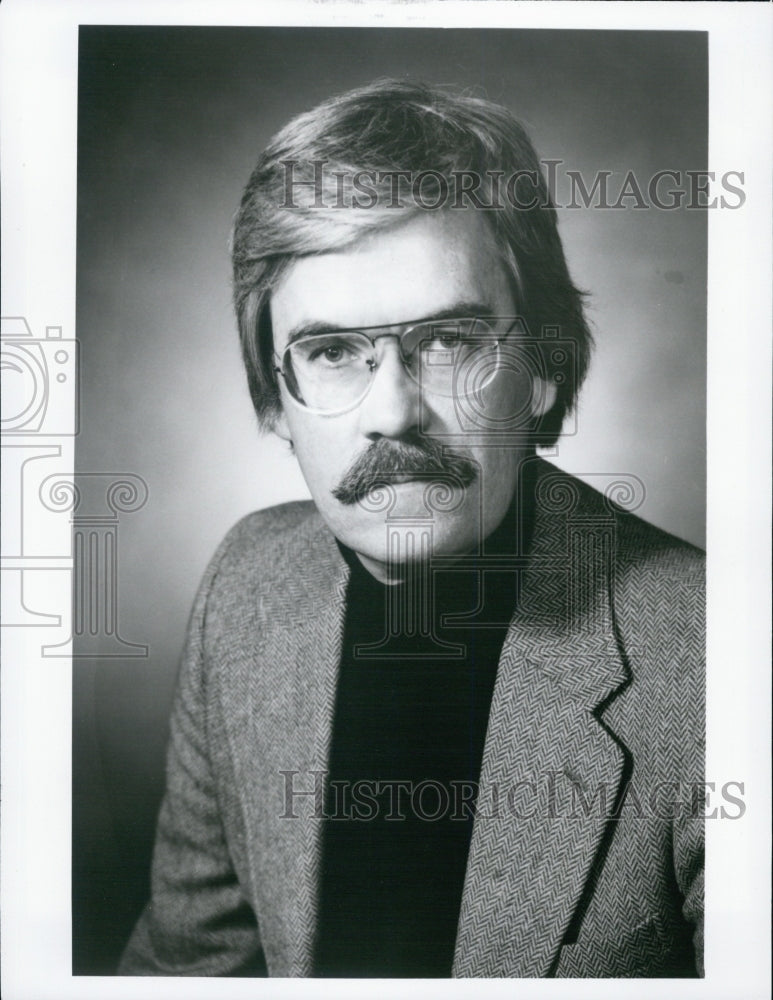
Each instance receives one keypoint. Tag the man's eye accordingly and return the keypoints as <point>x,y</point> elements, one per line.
<point>442,341</point>
<point>445,342</point>
<point>331,354</point>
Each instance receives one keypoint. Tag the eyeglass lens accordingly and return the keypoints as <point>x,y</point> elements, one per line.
<point>332,371</point>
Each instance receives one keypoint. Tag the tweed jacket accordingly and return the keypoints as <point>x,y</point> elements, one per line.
<point>586,857</point>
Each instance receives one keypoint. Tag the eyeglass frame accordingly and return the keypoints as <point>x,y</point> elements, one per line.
<point>364,331</point>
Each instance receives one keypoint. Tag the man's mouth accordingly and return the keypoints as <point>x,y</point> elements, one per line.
<point>408,477</point>
<point>385,481</point>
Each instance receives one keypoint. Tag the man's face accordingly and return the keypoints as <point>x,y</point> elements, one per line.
<point>434,264</point>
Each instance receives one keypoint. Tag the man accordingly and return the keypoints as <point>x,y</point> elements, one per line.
<point>447,718</point>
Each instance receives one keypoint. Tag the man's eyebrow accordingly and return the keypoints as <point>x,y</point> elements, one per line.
<point>464,309</point>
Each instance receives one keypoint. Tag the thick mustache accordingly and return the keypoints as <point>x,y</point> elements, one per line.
<point>385,461</point>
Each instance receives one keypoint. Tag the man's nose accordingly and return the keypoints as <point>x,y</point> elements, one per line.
<point>391,407</point>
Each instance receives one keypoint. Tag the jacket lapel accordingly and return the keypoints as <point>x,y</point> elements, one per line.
<point>317,645</point>
<point>284,720</point>
<point>551,770</point>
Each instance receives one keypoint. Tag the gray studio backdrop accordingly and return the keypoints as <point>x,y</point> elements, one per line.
<point>171,122</point>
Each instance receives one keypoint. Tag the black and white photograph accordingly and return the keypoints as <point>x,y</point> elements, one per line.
<point>357,507</point>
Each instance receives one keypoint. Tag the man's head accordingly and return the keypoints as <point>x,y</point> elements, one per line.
<point>388,207</point>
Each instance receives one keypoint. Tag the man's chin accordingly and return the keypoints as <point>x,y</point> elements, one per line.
<point>406,531</point>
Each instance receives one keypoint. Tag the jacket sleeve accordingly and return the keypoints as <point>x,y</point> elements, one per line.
<point>688,847</point>
<point>198,922</point>
<point>660,611</point>
<point>688,863</point>
<point>689,824</point>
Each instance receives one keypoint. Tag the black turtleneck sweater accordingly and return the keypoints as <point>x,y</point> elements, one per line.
<point>405,761</point>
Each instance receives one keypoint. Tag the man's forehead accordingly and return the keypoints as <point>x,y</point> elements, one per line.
<point>423,268</point>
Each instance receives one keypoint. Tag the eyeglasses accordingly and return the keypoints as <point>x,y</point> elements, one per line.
<point>332,372</point>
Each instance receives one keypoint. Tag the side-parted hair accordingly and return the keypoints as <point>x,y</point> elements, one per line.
<point>367,160</point>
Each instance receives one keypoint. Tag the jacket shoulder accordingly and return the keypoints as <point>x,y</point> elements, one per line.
<point>636,542</point>
<point>266,534</point>
<point>657,595</point>
<point>641,544</point>
<point>655,580</point>
<point>285,517</point>
<point>272,563</point>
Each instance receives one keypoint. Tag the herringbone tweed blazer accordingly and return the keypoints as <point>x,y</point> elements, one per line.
<point>586,857</point>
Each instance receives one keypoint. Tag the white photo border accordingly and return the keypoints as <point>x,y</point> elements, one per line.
<point>38,60</point>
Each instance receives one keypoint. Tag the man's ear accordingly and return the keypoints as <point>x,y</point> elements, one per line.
<point>543,396</point>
